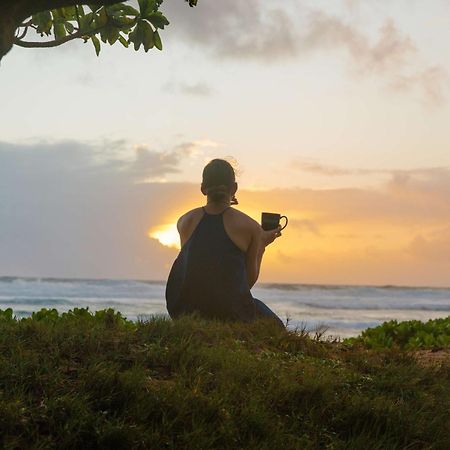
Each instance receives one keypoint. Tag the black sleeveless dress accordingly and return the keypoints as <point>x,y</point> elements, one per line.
<point>209,275</point>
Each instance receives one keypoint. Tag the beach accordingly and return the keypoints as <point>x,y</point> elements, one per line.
<point>343,311</point>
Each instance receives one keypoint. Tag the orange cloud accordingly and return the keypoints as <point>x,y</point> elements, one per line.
<point>98,222</point>
<point>397,234</point>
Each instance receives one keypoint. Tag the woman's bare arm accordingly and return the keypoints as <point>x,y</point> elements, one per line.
<point>260,240</point>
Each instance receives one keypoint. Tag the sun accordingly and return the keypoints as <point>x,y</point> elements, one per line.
<point>167,235</point>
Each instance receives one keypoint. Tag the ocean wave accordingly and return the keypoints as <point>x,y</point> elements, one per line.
<point>36,301</point>
<point>305,287</point>
<point>362,307</point>
<point>94,281</point>
<point>346,287</point>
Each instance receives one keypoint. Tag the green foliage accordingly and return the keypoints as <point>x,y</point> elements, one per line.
<point>108,24</point>
<point>6,315</point>
<point>407,335</point>
<point>96,380</point>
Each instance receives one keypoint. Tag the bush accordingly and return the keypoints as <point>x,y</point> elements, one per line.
<point>407,335</point>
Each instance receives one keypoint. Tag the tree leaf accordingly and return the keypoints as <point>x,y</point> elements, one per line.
<point>143,5</point>
<point>69,27</point>
<point>68,12</point>
<point>157,40</point>
<point>157,19</point>
<point>80,10</point>
<point>123,41</point>
<point>94,7</point>
<point>147,32</point>
<point>102,19</point>
<point>124,9</point>
<point>86,22</point>
<point>147,7</point>
<point>112,34</point>
<point>96,43</point>
<point>59,30</point>
<point>104,36</point>
<point>124,22</point>
<point>43,21</point>
<point>136,36</point>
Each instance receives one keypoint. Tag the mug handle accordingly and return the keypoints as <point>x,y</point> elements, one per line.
<point>285,225</point>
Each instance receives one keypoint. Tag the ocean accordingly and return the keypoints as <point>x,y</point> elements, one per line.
<point>342,310</point>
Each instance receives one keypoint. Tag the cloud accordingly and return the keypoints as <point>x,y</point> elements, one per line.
<point>265,32</point>
<point>429,182</point>
<point>251,30</point>
<point>398,181</point>
<point>420,197</point>
<point>151,165</point>
<point>75,210</point>
<point>328,170</point>
<point>66,213</point>
<point>434,246</point>
<point>73,156</point>
<point>305,225</point>
<point>389,52</point>
<point>235,30</point>
<point>393,56</point>
<point>432,81</point>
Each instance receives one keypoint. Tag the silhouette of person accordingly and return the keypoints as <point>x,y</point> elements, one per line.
<point>220,257</point>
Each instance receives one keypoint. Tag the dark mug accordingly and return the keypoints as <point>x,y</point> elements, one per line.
<point>271,221</point>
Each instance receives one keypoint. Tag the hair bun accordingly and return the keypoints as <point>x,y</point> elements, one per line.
<point>218,193</point>
<point>221,188</point>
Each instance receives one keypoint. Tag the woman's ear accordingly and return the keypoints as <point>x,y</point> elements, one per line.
<point>234,189</point>
<point>203,190</point>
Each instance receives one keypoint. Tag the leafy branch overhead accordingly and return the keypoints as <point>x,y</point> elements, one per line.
<point>106,21</point>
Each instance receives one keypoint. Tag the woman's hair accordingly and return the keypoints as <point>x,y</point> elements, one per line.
<point>218,179</point>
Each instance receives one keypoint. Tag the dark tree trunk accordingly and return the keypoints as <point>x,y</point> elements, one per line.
<point>14,12</point>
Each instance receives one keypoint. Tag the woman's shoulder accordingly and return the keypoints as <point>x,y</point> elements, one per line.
<point>189,216</point>
<point>243,218</point>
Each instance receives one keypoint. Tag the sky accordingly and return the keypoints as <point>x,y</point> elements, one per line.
<point>334,113</point>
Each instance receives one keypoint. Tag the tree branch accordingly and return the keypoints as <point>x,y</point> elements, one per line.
<point>21,9</point>
<point>46,44</point>
<point>21,36</point>
<point>57,42</point>
<point>14,12</point>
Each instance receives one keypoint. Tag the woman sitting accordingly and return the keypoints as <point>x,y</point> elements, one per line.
<point>220,256</point>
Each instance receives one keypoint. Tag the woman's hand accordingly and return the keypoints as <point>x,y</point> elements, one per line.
<point>267,237</point>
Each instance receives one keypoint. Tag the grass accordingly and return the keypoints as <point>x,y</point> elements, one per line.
<point>86,381</point>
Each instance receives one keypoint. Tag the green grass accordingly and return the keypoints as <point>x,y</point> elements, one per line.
<point>84,381</point>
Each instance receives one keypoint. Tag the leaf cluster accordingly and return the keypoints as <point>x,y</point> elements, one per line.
<point>119,22</point>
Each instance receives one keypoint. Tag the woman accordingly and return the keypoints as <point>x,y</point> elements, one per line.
<point>221,254</point>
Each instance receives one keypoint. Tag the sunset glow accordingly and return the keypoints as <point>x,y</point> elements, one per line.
<point>336,115</point>
<point>167,235</point>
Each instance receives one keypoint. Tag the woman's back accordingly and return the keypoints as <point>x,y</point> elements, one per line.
<point>209,275</point>
<point>220,256</point>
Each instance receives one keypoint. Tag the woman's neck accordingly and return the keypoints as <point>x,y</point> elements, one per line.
<point>217,206</point>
